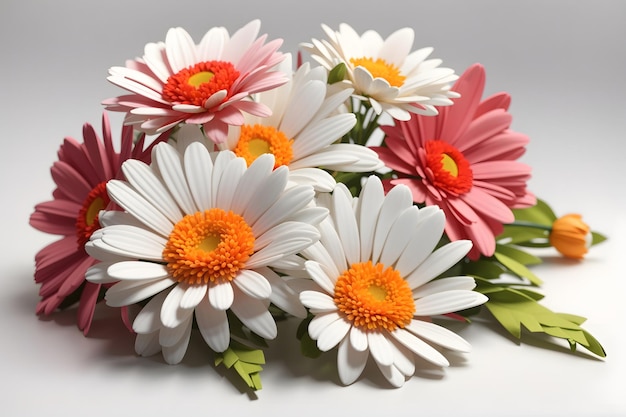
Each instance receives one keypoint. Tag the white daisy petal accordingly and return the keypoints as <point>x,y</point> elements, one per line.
<point>264,197</point>
<point>419,347</point>
<point>283,295</point>
<point>198,171</point>
<point>398,237</point>
<point>172,315</point>
<point>169,336</point>
<point>346,225</point>
<point>439,261</point>
<point>174,354</point>
<point>333,334</point>
<point>396,201</point>
<point>253,284</point>
<point>135,242</point>
<point>149,318</point>
<point>251,180</point>
<point>448,302</point>
<point>213,325</point>
<point>379,348</point>
<point>180,49</point>
<point>130,292</point>
<point>227,186</point>
<point>438,335</point>
<point>292,201</point>
<point>318,275</point>
<point>193,295</point>
<point>318,302</point>
<point>423,240</point>
<point>320,322</point>
<point>254,315</point>
<point>142,178</point>
<point>137,270</point>
<point>317,178</point>
<point>369,203</point>
<point>306,100</point>
<point>392,374</point>
<point>444,284</point>
<point>171,171</point>
<point>403,359</point>
<point>285,239</point>
<point>350,362</point>
<point>139,207</point>
<point>98,273</point>
<point>358,339</point>
<point>221,295</point>
<point>147,344</point>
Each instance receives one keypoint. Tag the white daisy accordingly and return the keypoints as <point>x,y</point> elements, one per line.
<point>198,237</point>
<point>385,72</point>
<point>302,130</point>
<point>374,292</point>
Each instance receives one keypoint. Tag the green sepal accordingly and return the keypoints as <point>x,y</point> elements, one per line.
<point>597,238</point>
<point>514,308</point>
<point>245,361</point>
<point>337,74</point>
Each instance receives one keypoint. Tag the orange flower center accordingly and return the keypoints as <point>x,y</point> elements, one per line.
<point>451,171</point>
<point>380,69</point>
<point>209,246</point>
<point>374,297</point>
<point>87,220</point>
<point>255,140</point>
<point>195,84</point>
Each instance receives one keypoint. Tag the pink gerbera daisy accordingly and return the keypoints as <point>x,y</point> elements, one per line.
<point>463,160</point>
<point>207,84</point>
<point>80,174</point>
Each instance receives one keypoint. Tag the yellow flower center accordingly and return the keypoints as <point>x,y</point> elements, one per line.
<point>208,246</point>
<point>255,140</point>
<point>380,69</point>
<point>195,84</point>
<point>450,170</point>
<point>374,297</point>
<point>87,219</point>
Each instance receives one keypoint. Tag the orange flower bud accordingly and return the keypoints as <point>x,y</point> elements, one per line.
<point>571,236</point>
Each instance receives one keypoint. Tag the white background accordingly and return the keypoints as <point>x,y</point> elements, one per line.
<point>564,63</point>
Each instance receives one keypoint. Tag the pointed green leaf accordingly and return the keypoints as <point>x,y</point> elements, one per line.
<point>518,268</point>
<point>597,238</point>
<point>540,213</point>
<point>337,74</point>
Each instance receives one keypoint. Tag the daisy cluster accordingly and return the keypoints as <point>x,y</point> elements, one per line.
<point>369,193</point>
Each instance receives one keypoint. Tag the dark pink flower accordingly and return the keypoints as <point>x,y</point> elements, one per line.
<point>465,161</point>
<point>80,175</point>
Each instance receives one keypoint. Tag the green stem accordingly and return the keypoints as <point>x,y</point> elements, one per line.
<point>529,224</point>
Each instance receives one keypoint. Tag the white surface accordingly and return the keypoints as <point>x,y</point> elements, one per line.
<point>562,61</point>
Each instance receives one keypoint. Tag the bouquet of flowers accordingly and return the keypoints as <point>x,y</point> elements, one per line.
<point>369,193</point>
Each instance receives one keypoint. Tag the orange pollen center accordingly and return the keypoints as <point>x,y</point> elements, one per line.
<point>450,170</point>
<point>195,84</point>
<point>209,246</point>
<point>380,69</point>
<point>255,140</point>
<point>87,219</point>
<point>374,297</point>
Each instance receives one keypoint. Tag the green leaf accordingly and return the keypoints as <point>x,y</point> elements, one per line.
<point>514,311</point>
<point>519,234</point>
<point>517,268</point>
<point>308,346</point>
<point>245,361</point>
<point>540,213</point>
<point>519,255</point>
<point>337,74</point>
<point>484,268</point>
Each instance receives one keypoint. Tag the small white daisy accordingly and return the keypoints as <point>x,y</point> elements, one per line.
<point>302,130</point>
<point>375,290</point>
<point>385,72</point>
<point>199,236</point>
